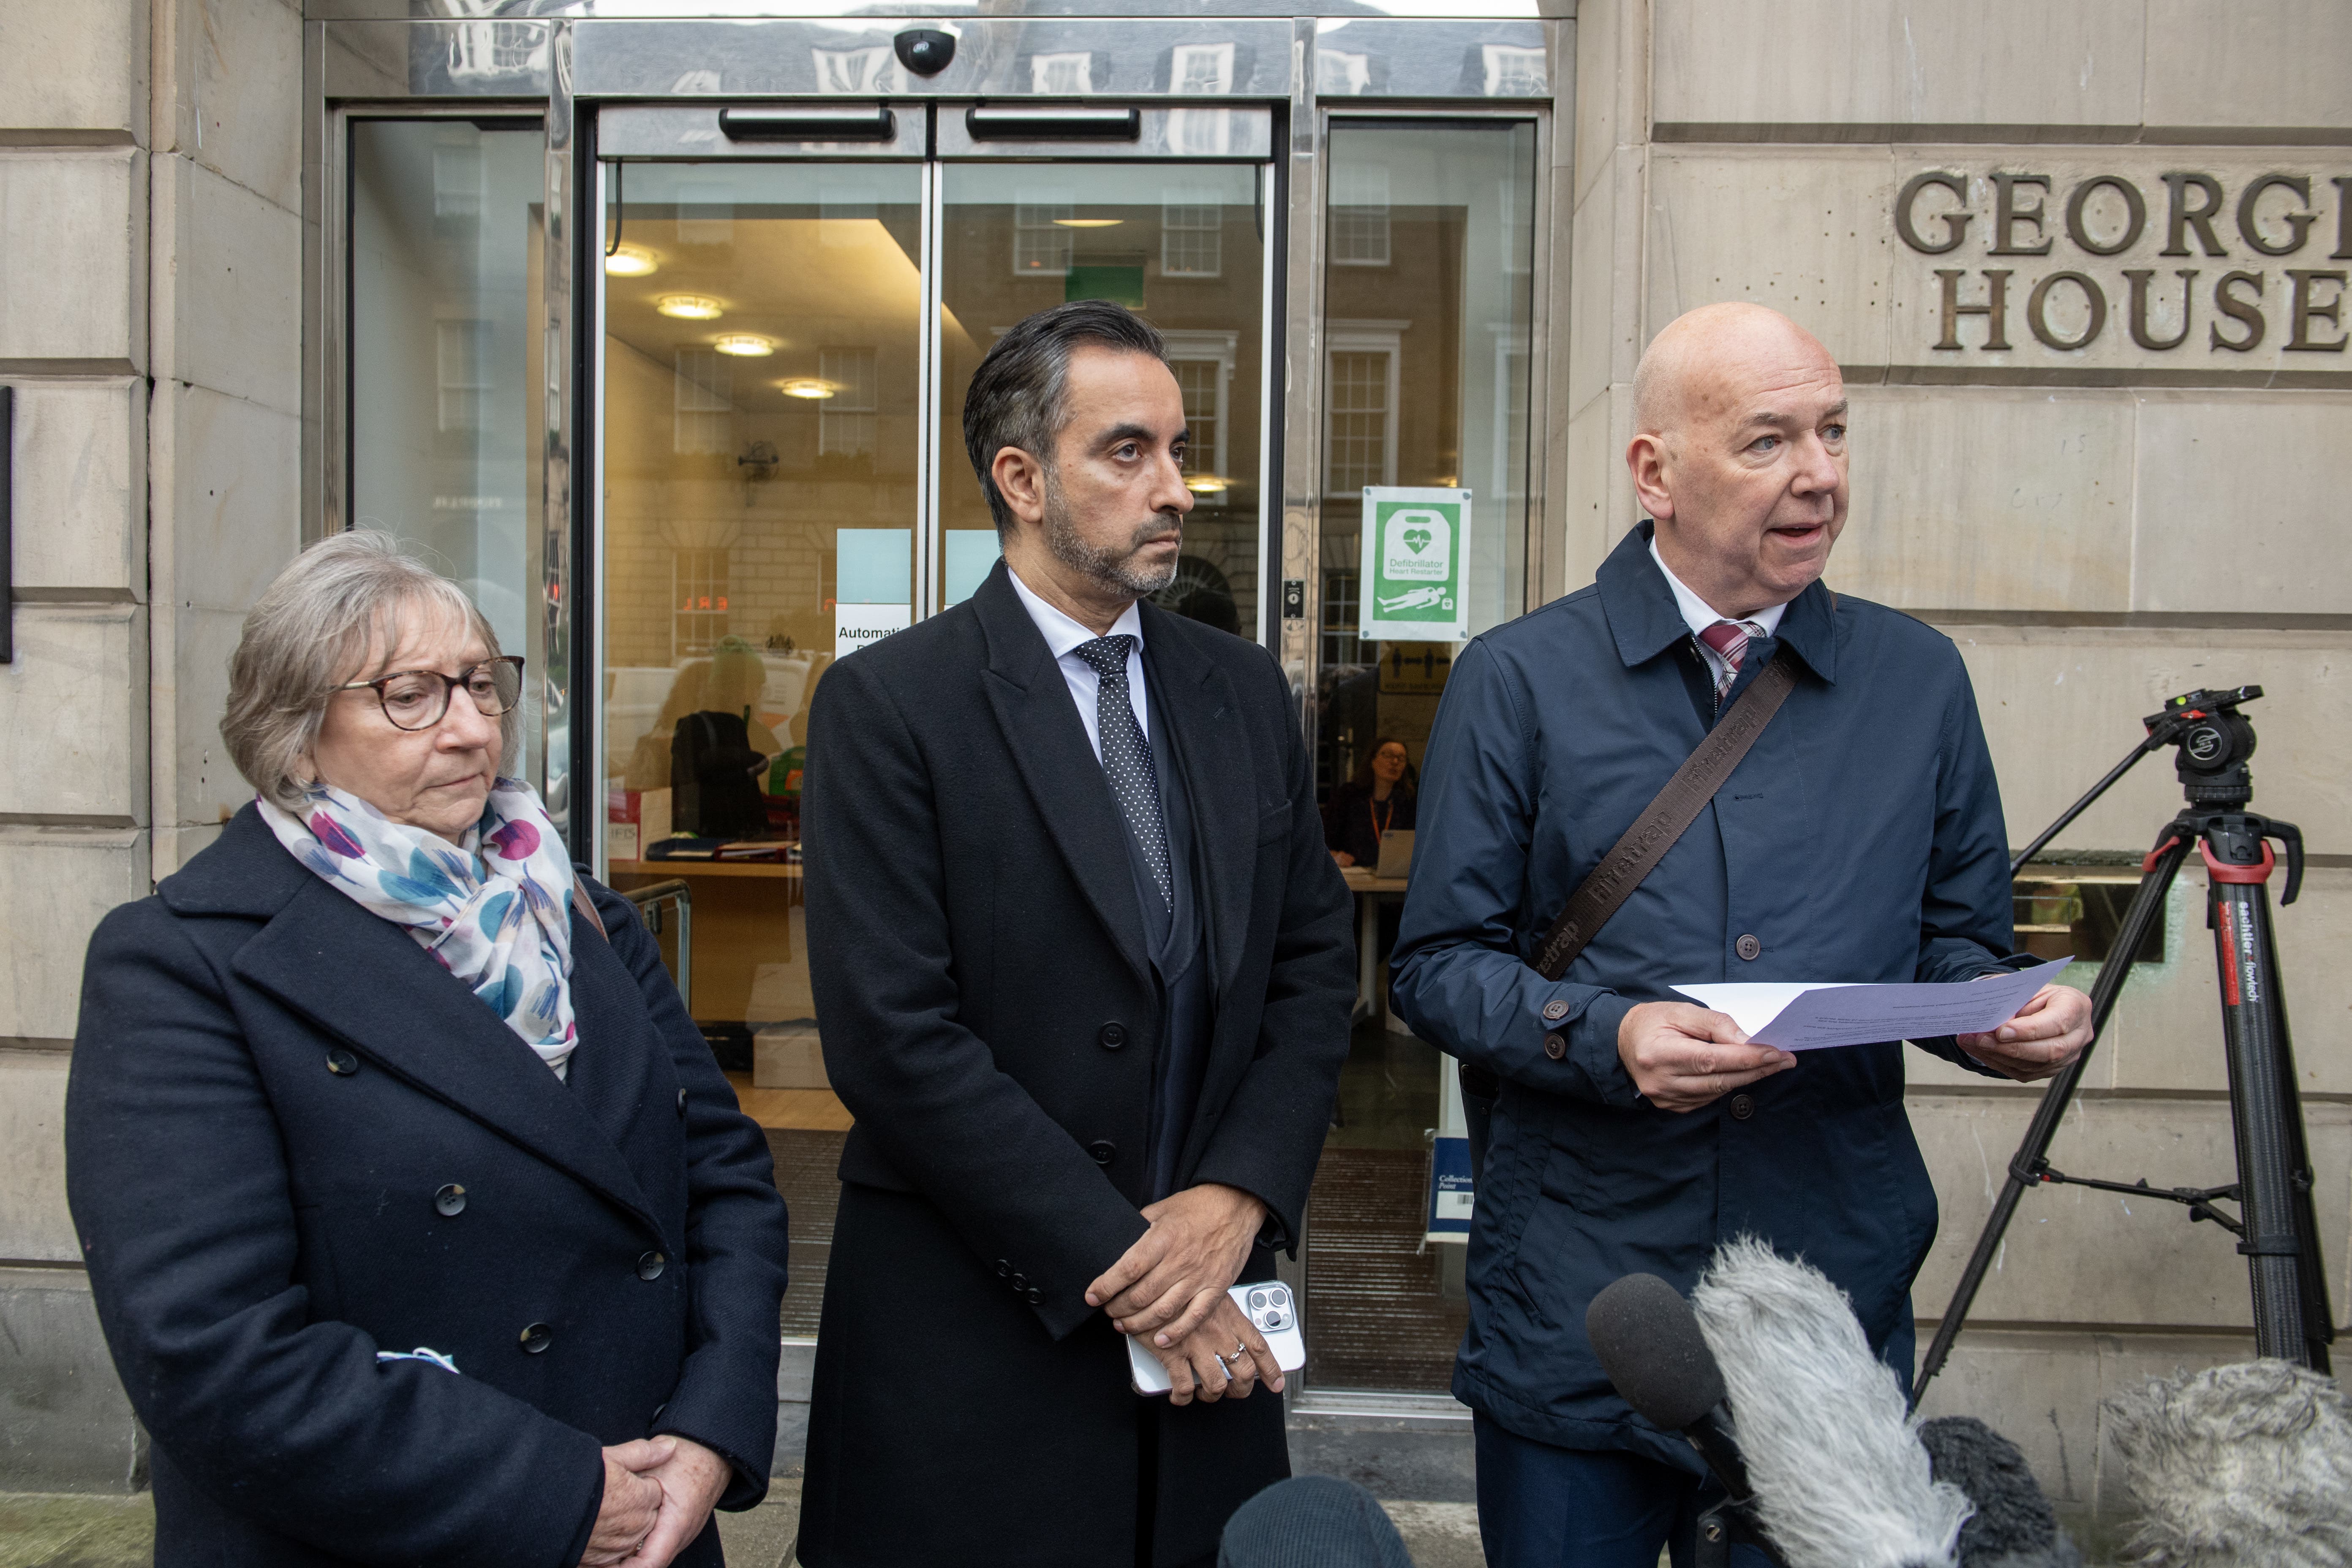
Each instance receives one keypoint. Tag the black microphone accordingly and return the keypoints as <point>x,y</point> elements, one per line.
<point>1650,1345</point>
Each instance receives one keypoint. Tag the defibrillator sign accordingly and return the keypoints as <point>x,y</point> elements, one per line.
<point>1415,542</point>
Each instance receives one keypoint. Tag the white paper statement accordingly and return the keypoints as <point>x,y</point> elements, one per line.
<point>1796,1017</point>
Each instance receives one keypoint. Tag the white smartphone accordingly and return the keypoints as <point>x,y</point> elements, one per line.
<point>1268,1304</point>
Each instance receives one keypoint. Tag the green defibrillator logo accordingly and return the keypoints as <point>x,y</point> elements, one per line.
<point>1415,542</point>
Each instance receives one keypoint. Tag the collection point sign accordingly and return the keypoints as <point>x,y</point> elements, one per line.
<point>1415,543</point>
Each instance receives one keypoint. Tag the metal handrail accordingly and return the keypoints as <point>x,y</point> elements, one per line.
<point>649,900</point>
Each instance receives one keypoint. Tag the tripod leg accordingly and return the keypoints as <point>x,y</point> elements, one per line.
<point>2025,1165</point>
<point>2280,1108</point>
<point>2264,1109</point>
<point>2318,1316</point>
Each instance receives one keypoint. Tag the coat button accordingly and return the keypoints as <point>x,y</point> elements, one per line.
<point>649,1265</point>
<point>1748,947</point>
<point>1110,1036</point>
<point>450,1201</point>
<point>1743,1106</point>
<point>681,1102</point>
<point>1035,1296</point>
<point>1555,1010</point>
<point>341,1063</point>
<point>1555,1046</point>
<point>1020,1282</point>
<point>535,1339</point>
<point>1003,1269</point>
<point>1103,1150</point>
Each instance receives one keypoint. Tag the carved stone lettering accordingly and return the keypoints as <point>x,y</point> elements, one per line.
<point>2071,242</point>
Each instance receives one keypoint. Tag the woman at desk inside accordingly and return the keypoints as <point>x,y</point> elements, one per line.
<point>1378,800</point>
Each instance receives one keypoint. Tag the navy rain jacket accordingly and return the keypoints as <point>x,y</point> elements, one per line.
<point>1861,840</point>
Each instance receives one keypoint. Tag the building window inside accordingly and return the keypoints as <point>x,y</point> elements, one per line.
<point>1191,236</point>
<point>1360,216</point>
<point>1203,69</point>
<point>1361,403</point>
<point>704,402</point>
<point>1061,74</point>
<point>845,421</point>
<point>1339,644</point>
<point>464,364</point>
<point>1041,244</point>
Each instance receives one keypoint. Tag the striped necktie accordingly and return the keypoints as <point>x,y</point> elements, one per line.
<point>1729,640</point>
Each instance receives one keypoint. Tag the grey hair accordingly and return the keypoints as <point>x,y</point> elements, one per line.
<point>335,608</point>
<point>1018,396</point>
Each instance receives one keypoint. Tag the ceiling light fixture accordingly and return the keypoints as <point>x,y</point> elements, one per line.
<point>807,386</point>
<point>1207,485</point>
<point>745,344</point>
<point>690,307</point>
<point>1090,222</point>
<point>630,261</point>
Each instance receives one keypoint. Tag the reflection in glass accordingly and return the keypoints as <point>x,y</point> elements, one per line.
<point>445,421</point>
<point>1183,245</point>
<point>761,392</point>
<point>1428,295</point>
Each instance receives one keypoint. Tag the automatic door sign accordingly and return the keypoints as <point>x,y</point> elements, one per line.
<point>1415,541</point>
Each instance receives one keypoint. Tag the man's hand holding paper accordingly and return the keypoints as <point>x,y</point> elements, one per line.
<point>2020,1024</point>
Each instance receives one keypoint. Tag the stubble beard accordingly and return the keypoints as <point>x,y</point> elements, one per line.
<point>1114,568</point>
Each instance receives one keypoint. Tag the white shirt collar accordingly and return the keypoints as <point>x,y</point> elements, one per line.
<point>1060,632</point>
<point>1697,614</point>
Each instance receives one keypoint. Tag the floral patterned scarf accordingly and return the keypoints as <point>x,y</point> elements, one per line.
<point>495,912</point>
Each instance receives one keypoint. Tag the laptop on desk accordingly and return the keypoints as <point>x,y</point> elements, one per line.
<point>1396,854</point>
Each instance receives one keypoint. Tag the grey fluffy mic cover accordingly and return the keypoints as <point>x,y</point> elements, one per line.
<point>1650,1347</point>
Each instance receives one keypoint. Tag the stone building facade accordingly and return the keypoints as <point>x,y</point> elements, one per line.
<point>2084,267</point>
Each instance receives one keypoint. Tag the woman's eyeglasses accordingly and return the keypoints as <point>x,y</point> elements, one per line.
<point>418,699</point>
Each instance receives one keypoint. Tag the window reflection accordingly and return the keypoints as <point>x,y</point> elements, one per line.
<point>444,418</point>
<point>1428,306</point>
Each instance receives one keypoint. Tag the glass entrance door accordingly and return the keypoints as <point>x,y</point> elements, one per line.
<point>786,332</point>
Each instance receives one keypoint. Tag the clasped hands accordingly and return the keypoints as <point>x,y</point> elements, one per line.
<point>1682,1056</point>
<point>658,1494</point>
<point>1168,1291</point>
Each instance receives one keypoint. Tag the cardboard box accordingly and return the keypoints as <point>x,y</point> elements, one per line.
<point>788,1055</point>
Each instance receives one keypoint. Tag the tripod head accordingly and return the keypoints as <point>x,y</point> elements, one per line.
<point>2214,739</point>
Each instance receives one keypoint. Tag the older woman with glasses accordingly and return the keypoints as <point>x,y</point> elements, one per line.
<point>420,1223</point>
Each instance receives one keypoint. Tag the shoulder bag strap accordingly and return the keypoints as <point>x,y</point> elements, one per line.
<point>587,908</point>
<point>1661,825</point>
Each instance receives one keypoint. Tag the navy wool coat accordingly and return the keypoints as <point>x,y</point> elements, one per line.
<point>1861,840</point>
<point>293,1141</point>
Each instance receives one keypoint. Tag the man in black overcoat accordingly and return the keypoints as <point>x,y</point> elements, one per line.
<point>1084,972</point>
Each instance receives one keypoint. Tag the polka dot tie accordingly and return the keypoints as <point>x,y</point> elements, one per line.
<point>1729,640</point>
<point>1127,756</point>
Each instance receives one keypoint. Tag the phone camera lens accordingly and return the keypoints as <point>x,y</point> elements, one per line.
<point>1257,1298</point>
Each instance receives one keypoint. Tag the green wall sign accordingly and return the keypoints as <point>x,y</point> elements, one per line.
<point>1415,545</point>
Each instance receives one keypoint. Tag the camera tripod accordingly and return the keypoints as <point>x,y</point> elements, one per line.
<point>2275,1225</point>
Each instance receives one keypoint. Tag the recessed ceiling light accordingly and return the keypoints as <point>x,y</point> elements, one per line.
<point>1207,485</point>
<point>1090,222</point>
<point>744,343</point>
<point>690,307</point>
<point>630,261</point>
<point>807,386</point>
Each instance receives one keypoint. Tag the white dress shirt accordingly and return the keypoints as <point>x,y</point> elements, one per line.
<point>1063,634</point>
<point>1698,614</point>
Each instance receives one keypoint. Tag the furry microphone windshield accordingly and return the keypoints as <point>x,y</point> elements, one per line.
<point>1841,1481</point>
<point>2238,1466</point>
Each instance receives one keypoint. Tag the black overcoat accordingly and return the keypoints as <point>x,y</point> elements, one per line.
<point>990,1015</point>
<point>292,1141</point>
